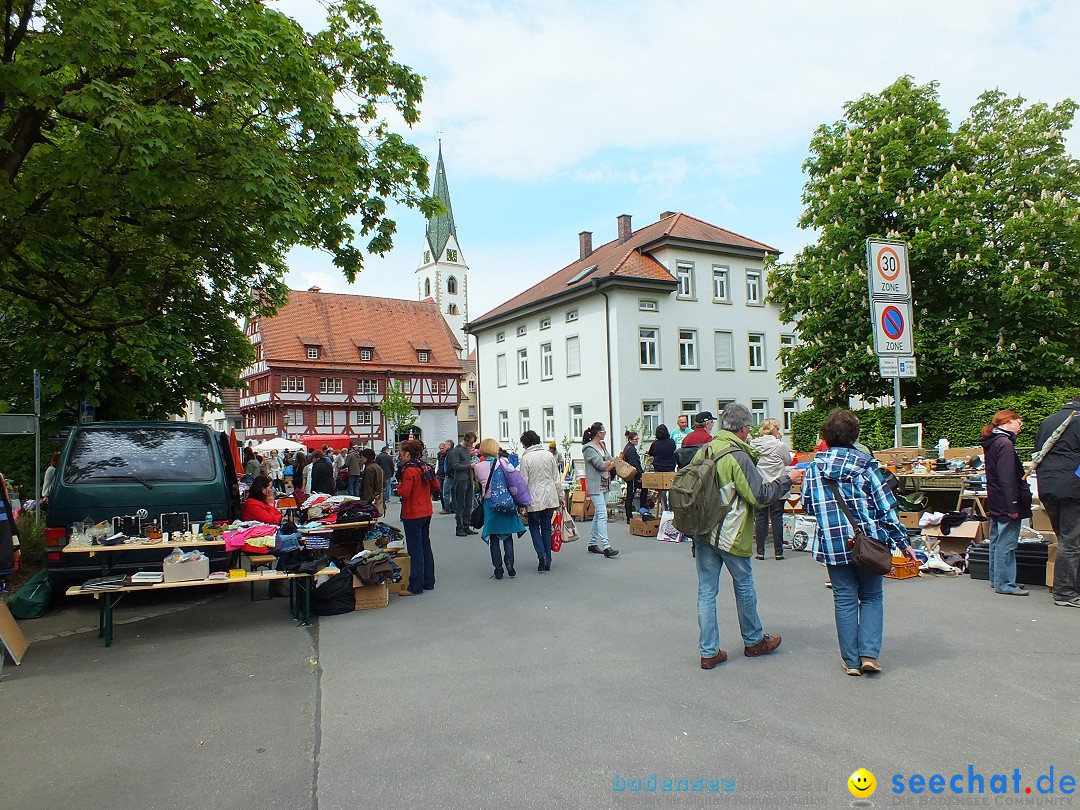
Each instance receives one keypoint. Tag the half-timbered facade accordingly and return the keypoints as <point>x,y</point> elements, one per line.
<point>324,361</point>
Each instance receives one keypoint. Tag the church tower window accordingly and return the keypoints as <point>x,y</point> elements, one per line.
<point>451,285</point>
<point>427,287</point>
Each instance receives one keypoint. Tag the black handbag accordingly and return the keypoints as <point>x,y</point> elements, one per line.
<point>870,555</point>
<point>476,520</point>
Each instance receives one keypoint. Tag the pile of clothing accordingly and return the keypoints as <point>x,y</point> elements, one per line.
<point>250,536</point>
<point>323,510</point>
<point>373,567</point>
<point>381,535</point>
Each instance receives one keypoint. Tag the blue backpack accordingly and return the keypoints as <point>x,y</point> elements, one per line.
<point>500,499</point>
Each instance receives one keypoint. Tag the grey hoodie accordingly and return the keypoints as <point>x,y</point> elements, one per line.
<point>775,455</point>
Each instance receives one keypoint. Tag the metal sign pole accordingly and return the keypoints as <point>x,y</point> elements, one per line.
<point>896,410</point>
<point>37,446</point>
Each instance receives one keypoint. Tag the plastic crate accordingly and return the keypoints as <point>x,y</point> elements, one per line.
<point>903,568</point>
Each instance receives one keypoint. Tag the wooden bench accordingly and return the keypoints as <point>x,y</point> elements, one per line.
<point>300,608</point>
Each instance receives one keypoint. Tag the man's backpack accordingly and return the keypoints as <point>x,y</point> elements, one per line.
<point>694,497</point>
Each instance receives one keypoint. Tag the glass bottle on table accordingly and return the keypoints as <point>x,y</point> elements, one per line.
<point>154,532</point>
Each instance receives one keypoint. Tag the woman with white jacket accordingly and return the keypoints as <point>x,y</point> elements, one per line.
<point>773,456</point>
<point>544,479</point>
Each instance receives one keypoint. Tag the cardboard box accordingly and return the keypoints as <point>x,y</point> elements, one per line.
<point>959,537</point>
<point>1040,520</point>
<point>368,597</point>
<point>910,519</point>
<point>1050,574</point>
<point>1051,552</point>
<point>644,528</point>
<point>582,510</point>
<point>578,496</point>
<point>404,562</point>
<point>657,480</point>
<point>186,571</point>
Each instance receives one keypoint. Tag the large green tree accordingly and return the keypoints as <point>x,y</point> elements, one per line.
<point>991,210</point>
<point>158,159</point>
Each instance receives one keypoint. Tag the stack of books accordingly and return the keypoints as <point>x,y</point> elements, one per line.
<point>147,578</point>
<point>108,583</point>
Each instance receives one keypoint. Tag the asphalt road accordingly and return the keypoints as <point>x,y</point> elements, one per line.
<point>546,690</point>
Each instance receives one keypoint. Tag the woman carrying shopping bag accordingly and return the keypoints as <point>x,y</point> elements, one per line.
<point>544,479</point>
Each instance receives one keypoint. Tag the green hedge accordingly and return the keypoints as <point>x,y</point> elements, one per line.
<point>959,421</point>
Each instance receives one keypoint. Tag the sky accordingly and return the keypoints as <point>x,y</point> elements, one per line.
<point>556,117</point>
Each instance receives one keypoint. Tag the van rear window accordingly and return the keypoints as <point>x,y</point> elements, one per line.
<point>140,454</point>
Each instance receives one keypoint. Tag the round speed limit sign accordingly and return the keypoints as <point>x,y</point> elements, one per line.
<point>888,270</point>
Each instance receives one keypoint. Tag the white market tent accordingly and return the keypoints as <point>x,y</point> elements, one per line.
<point>277,444</point>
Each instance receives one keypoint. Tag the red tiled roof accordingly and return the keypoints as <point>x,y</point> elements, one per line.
<point>341,323</point>
<point>627,260</point>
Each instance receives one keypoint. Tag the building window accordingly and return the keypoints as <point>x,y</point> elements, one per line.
<point>367,386</point>
<point>500,337</point>
<point>471,412</point>
<point>756,346</point>
<point>721,293</point>
<point>331,385</point>
<point>294,417</point>
<point>724,349</point>
<point>451,255</point>
<point>759,410</point>
<point>521,330</point>
<point>545,323</point>
<point>687,348</point>
<point>427,288</point>
<point>573,356</point>
<point>649,347</point>
<point>648,305</point>
<point>571,315</point>
<point>791,407</point>
<point>451,309</point>
<point>451,285</point>
<point>427,257</point>
<point>651,415</point>
<point>365,355</point>
<point>292,385</point>
<point>690,409</point>
<point>313,353</point>
<point>547,365</point>
<point>549,424</point>
<point>720,405</point>
<point>786,342</point>
<point>361,417</point>
<point>576,426</point>
<point>500,371</point>
<point>523,419</point>
<point>753,287</point>
<point>324,418</point>
<point>523,366</point>
<point>471,386</point>
<point>684,273</point>
<point>504,426</point>
<point>422,356</point>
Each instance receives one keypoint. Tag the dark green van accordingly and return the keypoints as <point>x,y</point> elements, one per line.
<point>109,469</point>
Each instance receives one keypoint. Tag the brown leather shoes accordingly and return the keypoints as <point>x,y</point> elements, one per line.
<point>764,647</point>
<point>719,658</point>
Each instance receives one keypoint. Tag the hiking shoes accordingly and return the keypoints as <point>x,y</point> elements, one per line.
<point>1074,602</point>
<point>764,647</point>
<point>719,658</point>
<point>869,665</point>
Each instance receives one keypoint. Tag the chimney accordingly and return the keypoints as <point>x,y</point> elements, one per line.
<point>313,289</point>
<point>667,214</point>
<point>624,227</point>
<point>584,243</point>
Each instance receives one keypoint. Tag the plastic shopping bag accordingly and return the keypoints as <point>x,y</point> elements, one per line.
<point>556,530</point>
<point>667,532</point>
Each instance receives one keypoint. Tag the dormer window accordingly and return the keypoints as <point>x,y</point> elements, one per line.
<point>312,347</point>
<point>313,353</point>
<point>365,355</point>
<point>422,356</point>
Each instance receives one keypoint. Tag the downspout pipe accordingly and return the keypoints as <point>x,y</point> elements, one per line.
<point>607,354</point>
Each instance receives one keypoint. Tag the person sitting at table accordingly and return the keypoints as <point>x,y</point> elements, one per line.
<point>260,503</point>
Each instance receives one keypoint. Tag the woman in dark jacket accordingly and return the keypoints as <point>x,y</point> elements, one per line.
<point>1008,499</point>
<point>322,474</point>
<point>662,451</point>
<point>631,457</point>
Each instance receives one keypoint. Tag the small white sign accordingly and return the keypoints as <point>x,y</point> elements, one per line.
<point>888,367</point>
<point>892,329</point>
<point>905,367</point>
<point>888,269</point>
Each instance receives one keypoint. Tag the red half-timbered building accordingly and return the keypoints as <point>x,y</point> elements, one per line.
<point>324,360</point>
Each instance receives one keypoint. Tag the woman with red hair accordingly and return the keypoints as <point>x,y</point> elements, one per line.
<point>1008,499</point>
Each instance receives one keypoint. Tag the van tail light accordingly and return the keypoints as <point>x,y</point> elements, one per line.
<point>52,556</point>
<point>54,536</point>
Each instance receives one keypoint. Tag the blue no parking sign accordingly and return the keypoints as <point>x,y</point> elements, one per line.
<point>892,328</point>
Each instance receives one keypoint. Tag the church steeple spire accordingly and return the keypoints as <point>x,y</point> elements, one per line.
<point>441,228</point>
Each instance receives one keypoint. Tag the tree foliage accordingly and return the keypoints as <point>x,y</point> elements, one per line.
<point>397,409</point>
<point>991,211</point>
<point>158,159</point>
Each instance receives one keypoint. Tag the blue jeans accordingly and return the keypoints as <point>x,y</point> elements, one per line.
<point>1004,535</point>
<point>421,561</point>
<point>859,602</point>
<point>354,486</point>
<point>389,490</point>
<point>599,522</point>
<point>540,529</point>
<point>709,562</point>
<point>446,493</point>
<point>496,557</point>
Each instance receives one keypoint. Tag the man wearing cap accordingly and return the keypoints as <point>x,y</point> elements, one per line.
<point>697,438</point>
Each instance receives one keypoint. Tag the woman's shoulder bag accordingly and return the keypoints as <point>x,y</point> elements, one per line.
<point>870,555</point>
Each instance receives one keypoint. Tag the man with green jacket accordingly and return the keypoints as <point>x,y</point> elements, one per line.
<point>731,542</point>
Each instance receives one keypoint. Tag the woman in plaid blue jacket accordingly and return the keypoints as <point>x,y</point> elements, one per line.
<point>857,594</point>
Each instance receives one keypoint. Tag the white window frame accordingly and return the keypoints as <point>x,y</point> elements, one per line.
<point>361,417</point>
<point>524,421</point>
<point>500,370</point>
<point>471,411</point>
<point>423,356</point>
<point>545,323</point>
<point>720,405</point>
<point>504,426</point>
<point>521,330</point>
<point>718,355</point>
<point>571,315</point>
<point>652,414</point>
<point>648,305</point>
<point>331,385</point>
<point>292,385</point>
<point>365,355</point>
<point>523,366</point>
<point>577,425</point>
<point>787,341</point>
<point>754,278</point>
<point>367,386</point>
<point>324,418</point>
<point>692,411</point>
<point>312,352</point>
<point>644,342</point>
<point>688,353</point>
<point>755,351</point>
<point>573,358</point>
<point>759,411</point>
<point>791,410</point>
<point>721,284</point>
<point>471,387</point>
<point>548,416</point>
<point>547,362</point>
<point>294,417</point>
<point>500,337</point>
<point>684,275</point>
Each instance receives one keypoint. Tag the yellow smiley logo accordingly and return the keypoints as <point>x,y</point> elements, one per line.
<point>862,784</point>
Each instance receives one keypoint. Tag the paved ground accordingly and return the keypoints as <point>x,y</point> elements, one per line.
<point>549,689</point>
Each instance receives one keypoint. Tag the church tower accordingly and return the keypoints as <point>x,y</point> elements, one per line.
<point>443,274</point>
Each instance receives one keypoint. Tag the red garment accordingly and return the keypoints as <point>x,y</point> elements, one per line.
<point>415,494</point>
<point>260,511</point>
<point>697,437</point>
<point>821,446</point>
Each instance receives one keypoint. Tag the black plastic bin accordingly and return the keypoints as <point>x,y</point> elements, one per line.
<point>1030,562</point>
